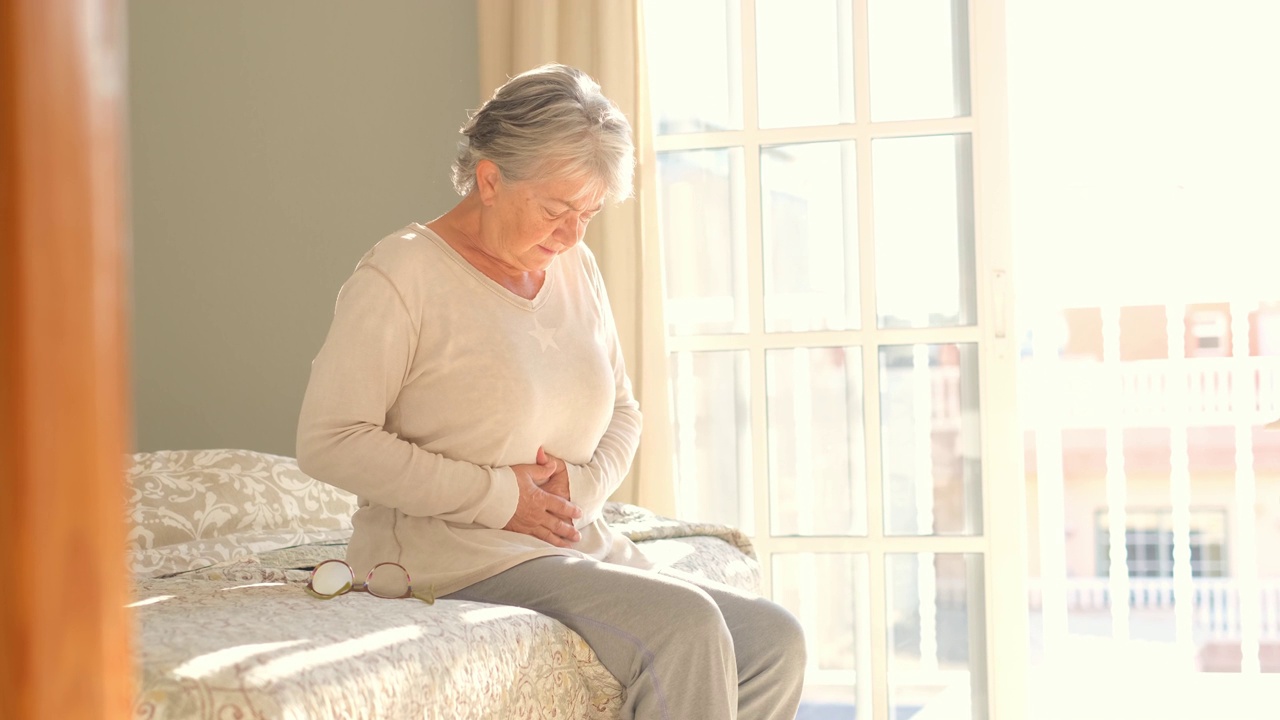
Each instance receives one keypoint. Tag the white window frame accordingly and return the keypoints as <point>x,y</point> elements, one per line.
<point>1002,545</point>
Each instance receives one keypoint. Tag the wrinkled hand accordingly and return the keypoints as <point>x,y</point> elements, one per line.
<point>545,515</point>
<point>558,483</point>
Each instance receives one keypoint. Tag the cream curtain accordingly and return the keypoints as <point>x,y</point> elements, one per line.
<point>604,39</point>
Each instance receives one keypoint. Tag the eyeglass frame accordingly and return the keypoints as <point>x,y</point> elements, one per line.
<point>430,598</point>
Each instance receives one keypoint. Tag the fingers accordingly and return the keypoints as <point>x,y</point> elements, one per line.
<point>546,527</point>
<point>546,458</point>
<point>555,523</point>
<point>539,473</point>
<point>566,532</point>
<point>544,510</point>
<point>564,528</point>
<point>553,531</point>
<point>561,534</point>
<point>550,461</point>
<point>557,505</point>
<point>547,467</point>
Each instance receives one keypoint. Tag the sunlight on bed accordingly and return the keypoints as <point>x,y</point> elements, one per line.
<point>487,614</point>
<point>210,663</point>
<point>149,601</point>
<point>665,554</point>
<point>252,585</point>
<point>304,660</point>
<point>738,566</point>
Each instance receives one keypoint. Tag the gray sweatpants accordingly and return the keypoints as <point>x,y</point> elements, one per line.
<point>684,648</point>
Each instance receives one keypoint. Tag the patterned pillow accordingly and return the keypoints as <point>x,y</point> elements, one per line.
<point>190,508</point>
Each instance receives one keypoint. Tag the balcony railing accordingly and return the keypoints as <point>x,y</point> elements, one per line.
<point>1141,393</point>
<point>1147,393</point>
<point>1216,602</point>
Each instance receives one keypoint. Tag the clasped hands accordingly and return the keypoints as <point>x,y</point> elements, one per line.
<point>544,510</point>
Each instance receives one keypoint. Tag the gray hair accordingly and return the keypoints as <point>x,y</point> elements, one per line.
<point>552,118</point>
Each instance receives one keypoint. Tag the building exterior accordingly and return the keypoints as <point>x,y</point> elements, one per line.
<point>1137,412</point>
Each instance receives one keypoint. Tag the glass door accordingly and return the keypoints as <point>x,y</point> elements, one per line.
<point>833,204</point>
<point>1150,171</point>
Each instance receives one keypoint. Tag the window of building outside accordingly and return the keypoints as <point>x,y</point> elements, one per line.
<point>1149,543</point>
<point>1209,334</point>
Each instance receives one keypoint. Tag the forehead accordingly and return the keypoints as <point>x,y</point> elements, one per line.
<point>577,193</point>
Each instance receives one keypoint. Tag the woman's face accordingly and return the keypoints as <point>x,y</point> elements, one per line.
<point>536,220</point>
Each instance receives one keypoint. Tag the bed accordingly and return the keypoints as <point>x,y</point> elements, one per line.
<point>220,546</point>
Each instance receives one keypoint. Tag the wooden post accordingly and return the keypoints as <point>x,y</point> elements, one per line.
<point>64,630</point>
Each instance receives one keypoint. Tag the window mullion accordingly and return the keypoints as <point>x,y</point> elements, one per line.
<point>878,642</point>
<point>867,275</point>
<point>755,295</point>
<point>750,106</point>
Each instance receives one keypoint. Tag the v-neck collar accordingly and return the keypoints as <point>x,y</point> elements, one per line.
<point>489,283</point>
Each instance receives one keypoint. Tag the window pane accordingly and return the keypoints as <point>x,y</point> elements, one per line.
<point>936,635</point>
<point>702,216</point>
<point>711,405</point>
<point>931,444</point>
<point>923,189</point>
<point>1149,542</point>
<point>817,459</point>
<point>694,64</point>
<point>804,62</point>
<point>919,59</point>
<point>809,199</point>
<point>829,594</point>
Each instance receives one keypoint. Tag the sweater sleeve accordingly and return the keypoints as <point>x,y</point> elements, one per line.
<point>355,379</point>
<point>590,485</point>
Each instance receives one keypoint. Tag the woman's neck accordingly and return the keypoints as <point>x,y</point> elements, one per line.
<point>463,229</point>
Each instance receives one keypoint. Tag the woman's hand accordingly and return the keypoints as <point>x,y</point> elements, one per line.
<point>542,513</point>
<point>558,483</point>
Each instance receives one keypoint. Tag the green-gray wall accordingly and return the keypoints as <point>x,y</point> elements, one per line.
<point>271,144</point>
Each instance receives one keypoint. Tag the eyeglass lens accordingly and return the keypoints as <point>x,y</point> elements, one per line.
<point>331,577</point>
<point>388,580</point>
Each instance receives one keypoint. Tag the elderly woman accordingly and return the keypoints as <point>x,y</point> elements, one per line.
<point>471,392</point>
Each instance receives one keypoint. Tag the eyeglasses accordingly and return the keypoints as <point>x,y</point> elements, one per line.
<point>389,580</point>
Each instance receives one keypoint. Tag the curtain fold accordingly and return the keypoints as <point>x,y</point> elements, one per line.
<point>605,39</point>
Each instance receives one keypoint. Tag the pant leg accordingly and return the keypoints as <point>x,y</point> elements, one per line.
<point>769,647</point>
<point>664,639</point>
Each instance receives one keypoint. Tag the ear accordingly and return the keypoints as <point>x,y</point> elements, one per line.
<point>488,180</point>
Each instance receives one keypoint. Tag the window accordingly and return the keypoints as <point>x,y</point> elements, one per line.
<point>1149,543</point>
<point>817,170</point>
<point>1209,334</point>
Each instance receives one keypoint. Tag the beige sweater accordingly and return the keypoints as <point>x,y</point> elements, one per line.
<point>434,379</point>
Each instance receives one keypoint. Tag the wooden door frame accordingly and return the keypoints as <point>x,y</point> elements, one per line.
<point>64,629</point>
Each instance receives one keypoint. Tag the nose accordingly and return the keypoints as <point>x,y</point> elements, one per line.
<point>571,230</point>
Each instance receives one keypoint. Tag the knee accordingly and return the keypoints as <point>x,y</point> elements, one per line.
<point>692,613</point>
<point>683,617</point>
<point>792,649</point>
<point>781,638</point>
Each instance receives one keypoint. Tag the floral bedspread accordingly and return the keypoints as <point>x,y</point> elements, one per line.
<point>226,630</point>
